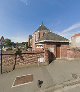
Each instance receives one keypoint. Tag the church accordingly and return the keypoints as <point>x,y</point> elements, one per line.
<point>43,39</point>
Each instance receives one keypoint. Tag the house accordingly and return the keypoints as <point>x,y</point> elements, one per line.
<point>43,39</point>
<point>75,41</point>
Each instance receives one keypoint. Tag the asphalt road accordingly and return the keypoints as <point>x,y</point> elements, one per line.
<point>57,72</point>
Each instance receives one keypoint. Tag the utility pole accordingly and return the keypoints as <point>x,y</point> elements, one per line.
<point>1,43</point>
<point>1,58</point>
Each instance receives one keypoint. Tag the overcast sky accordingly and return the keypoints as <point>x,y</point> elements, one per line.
<point>19,18</point>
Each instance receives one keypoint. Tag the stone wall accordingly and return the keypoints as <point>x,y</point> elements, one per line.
<point>73,54</point>
<point>8,59</point>
<point>27,59</point>
<point>33,58</point>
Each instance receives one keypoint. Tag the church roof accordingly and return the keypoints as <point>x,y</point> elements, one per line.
<point>49,36</point>
<point>42,27</point>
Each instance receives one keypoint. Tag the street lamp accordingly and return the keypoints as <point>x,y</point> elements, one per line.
<point>1,43</point>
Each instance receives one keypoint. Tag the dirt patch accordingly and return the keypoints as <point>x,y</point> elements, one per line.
<point>25,79</point>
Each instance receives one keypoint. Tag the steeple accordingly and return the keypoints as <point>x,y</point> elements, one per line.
<point>42,27</point>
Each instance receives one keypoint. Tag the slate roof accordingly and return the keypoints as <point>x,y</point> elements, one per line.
<point>49,36</point>
<point>52,36</point>
<point>42,27</point>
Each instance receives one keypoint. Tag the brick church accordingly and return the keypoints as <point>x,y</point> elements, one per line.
<point>43,39</point>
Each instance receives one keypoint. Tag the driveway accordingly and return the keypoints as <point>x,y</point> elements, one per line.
<point>59,71</point>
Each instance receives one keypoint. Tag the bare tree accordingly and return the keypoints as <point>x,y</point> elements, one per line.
<point>18,53</point>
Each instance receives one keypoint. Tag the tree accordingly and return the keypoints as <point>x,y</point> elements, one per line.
<point>25,44</point>
<point>8,42</point>
<point>18,52</point>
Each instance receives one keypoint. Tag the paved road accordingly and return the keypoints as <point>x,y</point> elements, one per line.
<point>39,73</point>
<point>57,72</point>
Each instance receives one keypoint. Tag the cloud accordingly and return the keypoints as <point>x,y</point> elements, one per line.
<point>25,2</point>
<point>69,32</point>
<point>71,28</point>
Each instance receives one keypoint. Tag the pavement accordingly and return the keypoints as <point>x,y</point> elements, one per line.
<point>56,73</point>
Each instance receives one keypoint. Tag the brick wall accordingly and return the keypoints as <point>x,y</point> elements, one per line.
<point>48,46</point>
<point>64,51</point>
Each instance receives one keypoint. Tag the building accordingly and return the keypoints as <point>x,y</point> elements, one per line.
<point>43,39</point>
<point>75,40</point>
<point>30,41</point>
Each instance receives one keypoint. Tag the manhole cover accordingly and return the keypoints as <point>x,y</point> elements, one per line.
<point>21,80</point>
